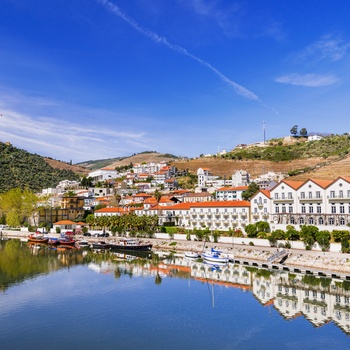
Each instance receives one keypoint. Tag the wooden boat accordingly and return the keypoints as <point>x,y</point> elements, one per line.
<point>36,238</point>
<point>215,256</point>
<point>131,244</point>
<point>66,241</point>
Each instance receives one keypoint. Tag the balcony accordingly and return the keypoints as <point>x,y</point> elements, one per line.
<point>338,198</point>
<point>283,200</point>
<point>310,199</point>
<point>256,215</point>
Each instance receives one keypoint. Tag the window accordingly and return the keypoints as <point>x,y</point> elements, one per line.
<point>265,210</point>
<point>331,221</point>
<point>332,194</point>
<point>276,195</point>
<point>342,221</point>
<point>310,194</point>
<point>277,210</point>
<point>283,209</point>
<point>255,200</point>
<point>320,221</point>
<point>303,209</point>
<point>301,221</point>
<point>311,221</point>
<point>342,208</point>
<point>311,209</point>
<point>265,200</point>
<point>290,195</point>
<point>302,195</point>
<point>292,221</point>
<point>333,209</point>
<point>318,194</point>
<point>290,209</point>
<point>341,195</point>
<point>318,209</point>
<point>283,196</point>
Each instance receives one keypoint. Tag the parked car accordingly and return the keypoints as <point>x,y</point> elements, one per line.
<point>69,233</point>
<point>87,234</point>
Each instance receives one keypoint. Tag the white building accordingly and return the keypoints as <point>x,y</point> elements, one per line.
<point>230,193</point>
<point>103,174</point>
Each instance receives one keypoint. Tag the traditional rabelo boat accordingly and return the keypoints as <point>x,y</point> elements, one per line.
<point>37,238</point>
<point>131,244</point>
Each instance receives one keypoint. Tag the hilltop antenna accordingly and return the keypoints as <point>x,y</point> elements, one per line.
<point>264,133</point>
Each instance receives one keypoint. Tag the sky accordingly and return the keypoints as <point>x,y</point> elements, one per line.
<point>92,79</point>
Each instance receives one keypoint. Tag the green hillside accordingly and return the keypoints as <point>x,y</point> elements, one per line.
<point>19,168</point>
<point>278,150</point>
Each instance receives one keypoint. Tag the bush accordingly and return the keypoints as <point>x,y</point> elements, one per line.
<point>251,243</point>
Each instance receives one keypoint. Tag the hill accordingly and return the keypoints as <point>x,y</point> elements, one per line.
<point>19,168</point>
<point>324,159</point>
<point>146,157</point>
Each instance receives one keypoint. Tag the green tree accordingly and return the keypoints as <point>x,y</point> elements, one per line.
<point>263,226</point>
<point>251,230</point>
<point>323,239</point>
<point>303,132</point>
<point>294,130</point>
<point>157,195</point>
<point>252,189</point>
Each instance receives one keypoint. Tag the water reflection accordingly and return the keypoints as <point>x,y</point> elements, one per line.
<point>319,300</point>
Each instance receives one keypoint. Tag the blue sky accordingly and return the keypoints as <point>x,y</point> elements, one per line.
<point>92,79</point>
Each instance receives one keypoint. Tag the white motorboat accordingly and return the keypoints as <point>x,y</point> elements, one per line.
<point>215,255</point>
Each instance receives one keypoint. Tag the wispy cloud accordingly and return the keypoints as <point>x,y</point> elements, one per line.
<point>24,121</point>
<point>328,48</point>
<point>307,80</point>
<point>162,40</point>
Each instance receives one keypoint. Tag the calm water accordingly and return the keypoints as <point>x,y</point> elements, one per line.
<point>76,299</point>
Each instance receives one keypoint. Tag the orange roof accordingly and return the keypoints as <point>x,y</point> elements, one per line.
<point>321,183</point>
<point>181,206</point>
<point>266,193</point>
<point>238,188</point>
<point>65,222</point>
<point>111,210</point>
<point>222,204</point>
<point>294,184</point>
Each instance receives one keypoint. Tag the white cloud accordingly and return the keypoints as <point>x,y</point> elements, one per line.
<point>307,80</point>
<point>328,48</point>
<point>162,40</point>
<point>63,132</point>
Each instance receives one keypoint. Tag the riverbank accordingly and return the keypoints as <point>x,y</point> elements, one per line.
<point>301,258</point>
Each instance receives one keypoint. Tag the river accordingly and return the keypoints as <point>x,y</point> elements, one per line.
<point>73,299</point>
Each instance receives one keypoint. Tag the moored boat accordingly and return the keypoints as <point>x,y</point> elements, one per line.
<point>37,238</point>
<point>100,245</point>
<point>131,244</point>
<point>191,255</point>
<point>82,244</point>
<point>215,255</point>
<point>53,241</point>
<point>66,241</point>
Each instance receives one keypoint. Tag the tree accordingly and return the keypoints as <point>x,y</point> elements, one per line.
<point>263,226</point>
<point>252,189</point>
<point>157,195</point>
<point>294,130</point>
<point>251,230</point>
<point>323,239</point>
<point>303,132</point>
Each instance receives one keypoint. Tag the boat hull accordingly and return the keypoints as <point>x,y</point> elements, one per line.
<point>142,247</point>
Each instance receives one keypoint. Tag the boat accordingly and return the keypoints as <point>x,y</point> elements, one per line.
<point>37,238</point>
<point>83,243</point>
<point>191,255</point>
<point>53,241</point>
<point>66,241</point>
<point>100,245</point>
<point>131,244</point>
<point>215,255</point>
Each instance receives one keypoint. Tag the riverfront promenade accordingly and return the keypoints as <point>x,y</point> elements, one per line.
<point>313,261</point>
